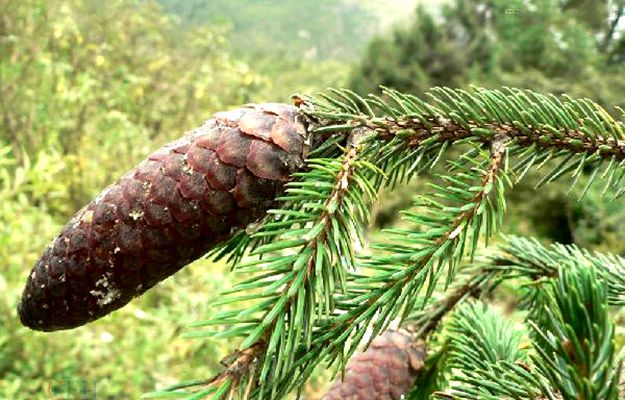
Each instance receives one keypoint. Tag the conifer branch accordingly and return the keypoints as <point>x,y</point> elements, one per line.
<point>368,304</point>
<point>541,128</point>
<point>574,336</point>
<point>313,302</point>
<point>415,132</point>
<point>448,232</point>
<point>305,280</point>
<point>522,257</point>
<point>485,349</point>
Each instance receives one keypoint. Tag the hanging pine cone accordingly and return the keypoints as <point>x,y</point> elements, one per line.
<point>386,371</point>
<point>170,210</point>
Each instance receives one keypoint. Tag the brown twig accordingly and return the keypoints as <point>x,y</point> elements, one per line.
<point>448,131</point>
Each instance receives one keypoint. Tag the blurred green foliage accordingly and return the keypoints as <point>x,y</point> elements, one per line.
<point>548,45</point>
<point>313,30</point>
<point>571,46</point>
<point>102,82</point>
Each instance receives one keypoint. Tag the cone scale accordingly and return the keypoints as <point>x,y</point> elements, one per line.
<point>174,207</point>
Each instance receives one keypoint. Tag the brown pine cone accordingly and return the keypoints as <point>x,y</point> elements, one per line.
<point>171,209</point>
<point>385,371</point>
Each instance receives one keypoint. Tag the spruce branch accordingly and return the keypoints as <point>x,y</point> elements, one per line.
<point>578,132</point>
<point>472,207</point>
<point>574,336</point>
<point>526,258</point>
<point>522,257</point>
<point>308,300</point>
<point>326,210</point>
<point>487,358</point>
<point>367,303</point>
<point>480,335</point>
<point>499,380</point>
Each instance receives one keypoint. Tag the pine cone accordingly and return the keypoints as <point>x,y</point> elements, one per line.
<point>171,209</point>
<point>385,371</point>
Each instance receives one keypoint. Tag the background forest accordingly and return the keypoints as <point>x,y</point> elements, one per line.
<point>89,88</point>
